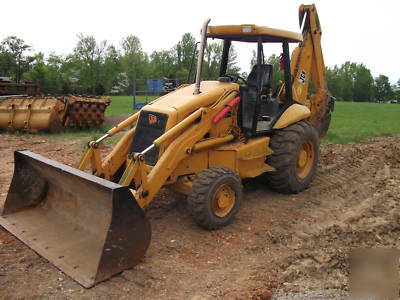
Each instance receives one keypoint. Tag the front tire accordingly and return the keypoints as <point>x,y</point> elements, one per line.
<point>215,197</point>
<point>295,158</point>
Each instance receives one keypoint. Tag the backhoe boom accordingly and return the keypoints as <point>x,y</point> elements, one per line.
<point>307,64</point>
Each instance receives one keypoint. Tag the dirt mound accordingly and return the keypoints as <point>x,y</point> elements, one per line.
<point>357,205</point>
<point>278,243</point>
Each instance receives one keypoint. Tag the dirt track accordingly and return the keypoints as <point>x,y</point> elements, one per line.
<point>278,243</point>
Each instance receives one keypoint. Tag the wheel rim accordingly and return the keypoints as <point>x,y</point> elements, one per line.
<point>305,159</point>
<point>223,201</point>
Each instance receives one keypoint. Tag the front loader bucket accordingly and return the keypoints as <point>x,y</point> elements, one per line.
<point>88,227</point>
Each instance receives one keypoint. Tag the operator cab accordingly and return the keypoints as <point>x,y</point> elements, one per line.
<point>260,106</point>
<point>268,105</point>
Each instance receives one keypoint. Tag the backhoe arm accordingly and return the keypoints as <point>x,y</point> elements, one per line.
<point>308,63</point>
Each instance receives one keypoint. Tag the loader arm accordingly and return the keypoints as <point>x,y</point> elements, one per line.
<point>183,138</point>
<point>107,167</point>
<point>307,64</point>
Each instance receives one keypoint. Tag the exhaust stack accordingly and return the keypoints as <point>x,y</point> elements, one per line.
<point>203,43</point>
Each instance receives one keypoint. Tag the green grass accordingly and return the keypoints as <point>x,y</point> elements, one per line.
<point>352,121</point>
<point>124,104</point>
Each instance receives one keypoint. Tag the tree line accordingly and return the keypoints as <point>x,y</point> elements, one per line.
<point>98,67</point>
<point>354,82</point>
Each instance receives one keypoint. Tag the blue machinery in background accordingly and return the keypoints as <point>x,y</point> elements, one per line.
<point>157,87</point>
<point>151,88</point>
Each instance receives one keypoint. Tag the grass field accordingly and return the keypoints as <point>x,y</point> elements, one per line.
<point>352,121</point>
<point>124,104</point>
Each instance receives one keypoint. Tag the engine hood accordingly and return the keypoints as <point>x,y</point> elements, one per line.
<point>183,102</point>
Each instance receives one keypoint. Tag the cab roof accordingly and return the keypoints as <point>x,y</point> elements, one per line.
<point>250,33</point>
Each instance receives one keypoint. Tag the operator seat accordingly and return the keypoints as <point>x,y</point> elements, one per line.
<point>248,93</point>
<point>266,76</point>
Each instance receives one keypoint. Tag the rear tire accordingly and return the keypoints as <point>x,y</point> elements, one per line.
<point>295,158</point>
<point>215,197</point>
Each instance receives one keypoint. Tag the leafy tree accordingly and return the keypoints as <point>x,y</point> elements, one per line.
<point>58,67</point>
<point>363,84</point>
<point>111,67</point>
<point>396,90</point>
<point>350,82</point>
<point>71,72</point>
<point>121,84</point>
<point>335,81</point>
<point>14,58</point>
<point>89,57</point>
<point>46,73</point>
<point>162,64</point>
<point>348,70</point>
<point>383,90</point>
<point>6,61</point>
<point>233,67</point>
<point>397,94</point>
<point>277,73</point>
<point>184,54</point>
<point>134,62</point>
<point>212,59</point>
<point>99,89</point>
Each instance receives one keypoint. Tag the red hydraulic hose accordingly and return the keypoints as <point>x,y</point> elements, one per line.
<point>226,109</point>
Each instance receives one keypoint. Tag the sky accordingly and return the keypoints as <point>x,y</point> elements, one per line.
<point>355,30</point>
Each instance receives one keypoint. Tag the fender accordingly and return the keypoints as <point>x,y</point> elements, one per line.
<point>292,114</point>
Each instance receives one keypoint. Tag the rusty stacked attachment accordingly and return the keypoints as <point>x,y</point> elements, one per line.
<point>51,113</point>
<point>83,112</point>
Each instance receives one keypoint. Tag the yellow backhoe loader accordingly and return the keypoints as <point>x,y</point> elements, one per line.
<point>201,139</point>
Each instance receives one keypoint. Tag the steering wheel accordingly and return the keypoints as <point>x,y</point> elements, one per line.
<point>235,78</point>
